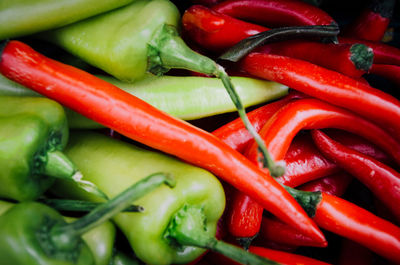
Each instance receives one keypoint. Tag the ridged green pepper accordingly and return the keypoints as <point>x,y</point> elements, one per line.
<point>113,165</point>
<point>34,131</point>
<point>183,97</point>
<point>21,17</point>
<point>100,239</point>
<point>33,233</point>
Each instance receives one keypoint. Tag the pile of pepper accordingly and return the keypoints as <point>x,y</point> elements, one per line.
<point>310,178</point>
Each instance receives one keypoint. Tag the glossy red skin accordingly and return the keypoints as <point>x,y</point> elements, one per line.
<point>235,133</point>
<point>215,31</point>
<point>327,85</point>
<point>388,71</point>
<point>335,184</point>
<point>278,232</point>
<point>304,114</point>
<point>354,254</point>
<point>382,180</point>
<point>332,56</point>
<point>281,257</point>
<point>350,221</point>
<point>138,120</point>
<point>383,53</point>
<point>368,26</point>
<point>243,216</point>
<point>275,12</point>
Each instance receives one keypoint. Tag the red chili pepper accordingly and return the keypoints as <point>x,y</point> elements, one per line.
<point>275,12</point>
<point>281,257</point>
<point>327,85</point>
<point>134,118</point>
<point>388,71</point>
<point>354,254</point>
<point>335,184</point>
<point>315,114</point>
<point>373,21</point>
<point>350,59</point>
<point>350,221</point>
<point>235,133</point>
<point>383,53</point>
<point>214,31</point>
<point>382,180</point>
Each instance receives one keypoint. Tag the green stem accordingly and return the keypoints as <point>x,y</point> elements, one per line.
<point>308,200</point>
<point>58,165</point>
<point>362,56</point>
<point>81,206</point>
<point>168,50</point>
<point>187,228</point>
<point>62,235</point>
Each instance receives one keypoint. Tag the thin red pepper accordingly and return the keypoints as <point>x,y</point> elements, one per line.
<point>235,133</point>
<point>388,71</point>
<point>335,184</point>
<point>354,254</point>
<point>214,31</point>
<point>134,118</point>
<point>275,12</point>
<point>281,257</point>
<point>327,85</point>
<point>350,59</point>
<point>373,21</point>
<point>383,53</point>
<point>382,180</point>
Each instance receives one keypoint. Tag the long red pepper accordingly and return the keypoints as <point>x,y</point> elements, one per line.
<point>281,257</point>
<point>388,71</point>
<point>373,21</point>
<point>383,53</point>
<point>214,31</point>
<point>275,12</point>
<point>235,133</point>
<point>134,118</point>
<point>382,180</point>
<point>350,59</point>
<point>327,85</point>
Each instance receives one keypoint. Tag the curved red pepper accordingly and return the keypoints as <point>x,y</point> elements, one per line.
<point>383,53</point>
<point>382,180</point>
<point>335,184</point>
<point>275,12</point>
<point>215,31</point>
<point>388,71</point>
<point>235,133</point>
<point>349,59</point>
<point>139,121</point>
<point>315,114</point>
<point>373,21</point>
<point>327,85</point>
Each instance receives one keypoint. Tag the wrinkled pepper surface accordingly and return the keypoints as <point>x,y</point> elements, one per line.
<point>113,165</point>
<point>21,17</point>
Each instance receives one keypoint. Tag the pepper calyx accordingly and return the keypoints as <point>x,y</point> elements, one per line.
<point>308,200</point>
<point>362,56</point>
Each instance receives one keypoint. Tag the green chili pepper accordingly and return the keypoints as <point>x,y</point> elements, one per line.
<point>150,233</point>
<point>33,233</point>
<point>142,37</point>
<point>183,97</point>
<point>22,17</point>
<point>100,239</point>
<point>33,133</point>
<point>120,258</point>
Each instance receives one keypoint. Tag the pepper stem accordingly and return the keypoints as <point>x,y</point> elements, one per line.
<point>81,206</point>
<point>187,228</point>
<point>362,56</point>
<point>58,165</point>
<point>63,234</point>
<point>167,50</point>
<point>308,200</point>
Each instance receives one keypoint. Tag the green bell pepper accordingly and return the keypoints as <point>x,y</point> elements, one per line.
<point>34,131</point>
<point>100,239</point>
<point>187,98</point>
<point>175,221</point>
<point>33,233</point>
<point>22,17</point>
